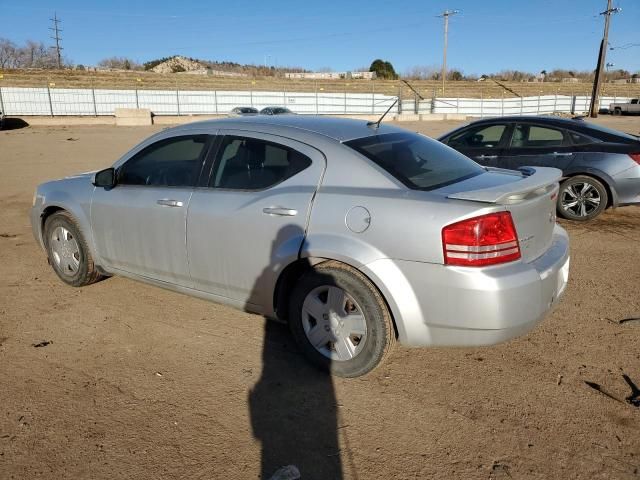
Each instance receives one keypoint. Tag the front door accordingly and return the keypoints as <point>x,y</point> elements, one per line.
<point>250,221</point>
<point>484,143</point>
<point>139,225</point>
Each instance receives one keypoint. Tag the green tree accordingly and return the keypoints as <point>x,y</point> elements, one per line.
<point>383,69</point>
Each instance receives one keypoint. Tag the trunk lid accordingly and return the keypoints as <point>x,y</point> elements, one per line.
<point>530,195</point>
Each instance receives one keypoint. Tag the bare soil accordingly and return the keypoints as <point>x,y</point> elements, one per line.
<point>144,80</point>
<point>123,380</point>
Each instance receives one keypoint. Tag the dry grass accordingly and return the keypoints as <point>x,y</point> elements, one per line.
<point>149,80</point>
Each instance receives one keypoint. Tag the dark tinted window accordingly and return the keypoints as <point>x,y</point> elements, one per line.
<point>532,136</point>
<point>415,160</point>
<point>174,162</point>
<point>480,137</point>
<point>580,139</point>
<point>252,164</point>
<point>611,135</point>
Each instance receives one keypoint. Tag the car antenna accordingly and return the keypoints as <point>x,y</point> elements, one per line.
<point>377,124</point>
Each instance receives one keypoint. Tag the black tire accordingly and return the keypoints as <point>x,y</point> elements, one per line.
<point>380,336</point>
<point>617,111</point>
<point>586,209</point>
<point>86,272</point>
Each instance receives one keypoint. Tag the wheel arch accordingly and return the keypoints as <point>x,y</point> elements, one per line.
<point>294,271</point>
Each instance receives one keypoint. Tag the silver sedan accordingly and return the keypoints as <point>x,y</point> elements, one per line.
<point>355,234</point>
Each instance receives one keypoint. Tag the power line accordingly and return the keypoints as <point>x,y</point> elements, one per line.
<point>593,109</point>
<point>57,38</point>
<point>446,14</point>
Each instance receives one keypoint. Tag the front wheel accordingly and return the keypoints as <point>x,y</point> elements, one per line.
<point>582,198</point>
<point>68,252</point>
<point>340,320</point>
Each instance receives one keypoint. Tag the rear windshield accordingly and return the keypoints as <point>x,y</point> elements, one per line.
<point>610,133</point>
<point>417,161</point>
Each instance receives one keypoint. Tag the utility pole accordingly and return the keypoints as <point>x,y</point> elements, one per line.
<point>593,108</point>
<point>446,14</point>
<point>57,38</point>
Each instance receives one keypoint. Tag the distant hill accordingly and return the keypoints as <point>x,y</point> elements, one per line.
<point>178,63</point>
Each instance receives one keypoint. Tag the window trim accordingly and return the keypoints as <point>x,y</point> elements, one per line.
<point>209,142</point>
<point>218,151</point>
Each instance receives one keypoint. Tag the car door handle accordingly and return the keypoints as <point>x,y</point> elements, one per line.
<point>281,211</point>
<point>562,154</point>
<point>169,203</point>
<point>487,157</point>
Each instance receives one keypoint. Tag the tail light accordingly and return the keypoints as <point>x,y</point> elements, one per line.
<point>635,157</point>
<point>479,241</point>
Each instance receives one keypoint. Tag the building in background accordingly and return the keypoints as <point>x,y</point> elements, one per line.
<point>330,75</point>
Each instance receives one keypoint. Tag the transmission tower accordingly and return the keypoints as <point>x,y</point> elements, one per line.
<point>56,31</point>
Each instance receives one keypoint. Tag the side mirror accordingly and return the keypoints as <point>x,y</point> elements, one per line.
<point>105,178</point>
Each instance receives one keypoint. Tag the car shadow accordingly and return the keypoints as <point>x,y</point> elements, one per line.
<point>293,407</point>
<point>10,123</point>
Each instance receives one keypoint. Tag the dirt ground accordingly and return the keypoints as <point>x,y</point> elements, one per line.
<point>139,382</point>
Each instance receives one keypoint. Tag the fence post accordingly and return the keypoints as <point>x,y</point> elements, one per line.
<point>538,111</point>
<point>316,89</point>
<point>50,103</point>
<point>2,102</point>
<point>373,96</point>
<point>215,101</point>
<point>284,97</point>
<point>482,103</point>
<point>93,96</point>
<point>555,102</point>
<point>502,104</point>
<point>251,97</point>
<point>137,103</point>
<point>572,107</point>
<point>178,101</point>
<point>521,105</point>
<point>432,109</point>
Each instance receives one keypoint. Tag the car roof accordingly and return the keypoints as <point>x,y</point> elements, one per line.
<point>546,119</point>
<point>340,129</point>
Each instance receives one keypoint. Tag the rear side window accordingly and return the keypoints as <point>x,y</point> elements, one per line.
<point>252,164</point>
<point>531,136</point>
<point>417,161</point>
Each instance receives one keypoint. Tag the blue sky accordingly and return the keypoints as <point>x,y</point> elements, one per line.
<point>487,36</point>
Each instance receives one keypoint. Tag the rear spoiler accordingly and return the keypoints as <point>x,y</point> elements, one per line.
<point>533,181</point>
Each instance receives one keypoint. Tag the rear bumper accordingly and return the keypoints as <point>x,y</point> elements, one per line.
<point>437,305</point>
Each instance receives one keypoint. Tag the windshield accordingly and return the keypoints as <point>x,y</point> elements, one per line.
<point>417,161</point>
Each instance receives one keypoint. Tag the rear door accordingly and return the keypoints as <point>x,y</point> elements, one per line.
<point>484,143</point>
<point>538,145</point>
<point>249,222</point>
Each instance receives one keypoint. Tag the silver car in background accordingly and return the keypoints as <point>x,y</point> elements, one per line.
<point>355,234</point>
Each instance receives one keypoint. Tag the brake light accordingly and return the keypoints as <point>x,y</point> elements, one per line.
<point>479,241</point>
<point>635,157</point>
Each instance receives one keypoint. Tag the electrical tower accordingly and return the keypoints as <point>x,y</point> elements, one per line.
<point>593,108</point>
<point>56,30</point>
<point>446,14</point>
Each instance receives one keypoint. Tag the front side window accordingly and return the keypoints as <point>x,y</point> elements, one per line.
<point>173,162</point>
<point>483,137</point>
<point>417,161</point>
<point>531,136</point>
<point>252,164</point>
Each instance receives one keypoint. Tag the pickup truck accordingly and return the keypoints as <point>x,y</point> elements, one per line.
<point>630,108</point>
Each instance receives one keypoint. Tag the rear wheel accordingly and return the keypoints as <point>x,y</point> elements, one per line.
<point>582,198</point>
<point>340,320</point>
<point>617,111</point>
<point>68,252</point>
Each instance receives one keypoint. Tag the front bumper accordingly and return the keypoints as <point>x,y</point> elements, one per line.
<point>437,305</point>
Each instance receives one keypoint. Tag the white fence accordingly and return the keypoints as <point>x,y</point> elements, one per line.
<point>67,101</point>
<point>94,102</point>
